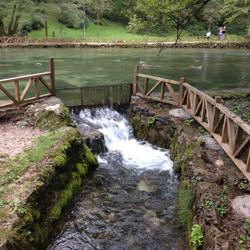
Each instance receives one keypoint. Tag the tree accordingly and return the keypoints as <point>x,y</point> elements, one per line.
<point>10,15</point>
<point>211,12</point>
<point>179,13</point>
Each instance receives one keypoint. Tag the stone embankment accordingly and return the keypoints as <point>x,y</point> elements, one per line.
<point>121,44</point>
<point>39,178</point>
<point>213,193</point>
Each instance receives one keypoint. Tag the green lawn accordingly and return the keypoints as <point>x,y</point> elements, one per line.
<point>112,33</point>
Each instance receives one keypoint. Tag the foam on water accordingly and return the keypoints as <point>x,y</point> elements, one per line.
<point>118,135</point>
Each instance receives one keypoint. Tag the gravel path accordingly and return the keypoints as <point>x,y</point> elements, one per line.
<point>15,139</point>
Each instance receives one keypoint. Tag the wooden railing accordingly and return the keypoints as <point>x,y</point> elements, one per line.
<point>229,130</point>
<point>34,80</point>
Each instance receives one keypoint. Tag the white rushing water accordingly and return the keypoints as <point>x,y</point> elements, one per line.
<point>118,135</point>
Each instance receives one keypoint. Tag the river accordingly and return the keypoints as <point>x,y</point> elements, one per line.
<point>129,202</point>
<point>204,68</point>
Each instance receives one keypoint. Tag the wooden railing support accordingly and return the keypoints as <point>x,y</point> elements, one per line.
<point>32,81</point>
<point>52,76</point>
<point>135,82</point>
<point>182,80</point>
<point>231,133</point>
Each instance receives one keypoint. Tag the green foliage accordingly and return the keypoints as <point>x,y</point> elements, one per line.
<point>70,16</point>
<point>243,185</point>
<point>151,122</point>
<point>189,122</point>
<point>220,203</point>
<point>35,23</point>
<point>184,204</point>
<point>197,237</point>
<point>244,239</point>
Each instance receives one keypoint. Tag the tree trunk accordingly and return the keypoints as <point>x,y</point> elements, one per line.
<point>2,32</point>
<point>178,34</point>
<point>98,22</point>
<point>10,28</point>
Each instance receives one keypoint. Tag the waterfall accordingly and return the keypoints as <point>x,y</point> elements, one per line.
<point>119,139</point>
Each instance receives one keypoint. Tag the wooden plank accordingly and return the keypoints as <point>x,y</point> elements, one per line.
<point>17,91</point>
<point>172,93</point>
<point>162,91</point>
<point>242,146</point>
<point>7,93</point>
<point>198,107</point>
<point>219,124</point>
<point>209,115</point>
<point>158,79</point>
<point>46,85</point>
<point>135,81</point>
<point>231,134</point>
<point>239,163</point>
<point>181,89</point>
<point>184,99</point>
<point>234,117</point>
<point>156,99</point>
<point>203,110</point>
<point>37,88</point>
<point>224,135</point>
<point>248,161</point>
<point>13,79</point>
<point>154,88</point>
<point>146,85</point>
<point>26,89</point>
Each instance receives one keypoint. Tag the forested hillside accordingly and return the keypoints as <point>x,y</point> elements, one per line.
<point>150,17</point>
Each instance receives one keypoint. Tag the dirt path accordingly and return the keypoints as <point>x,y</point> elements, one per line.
<point>15,138</point>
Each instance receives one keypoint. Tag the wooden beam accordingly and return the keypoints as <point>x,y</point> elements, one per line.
<point>154,88</point>
<point>6,92</point>
<point>171,91</point>
<point>13,79</point>
<point>135,81</point>
<point>162,91</point>
<point>26,89</point>
<point>17,91</point>
<point>158,79</point>
<point>37,88</point>
<point>46,85</point>
<point>242,146</point>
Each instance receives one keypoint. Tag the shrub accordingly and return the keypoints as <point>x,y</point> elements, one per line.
<point>35,23</point>
<point>196,236</point>
<point>70,16</point>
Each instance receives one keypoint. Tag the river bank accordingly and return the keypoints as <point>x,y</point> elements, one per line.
<point>38,178</point>
<point>209,182</point>
<point>120,44</point>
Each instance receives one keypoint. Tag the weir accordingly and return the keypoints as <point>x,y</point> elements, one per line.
<point>229,130</point>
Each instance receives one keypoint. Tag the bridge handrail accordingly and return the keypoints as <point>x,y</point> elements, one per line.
<point>228,129</point>
<point>37,80</point>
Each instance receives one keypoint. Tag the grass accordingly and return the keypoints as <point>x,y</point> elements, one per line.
<point>115,32</point>
<point>11,170</point>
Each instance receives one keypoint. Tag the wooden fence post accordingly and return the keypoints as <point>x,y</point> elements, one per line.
<point>135,79</point>
<point>17,91</point>
<point>52,77</point>
<point>182,80</point>
<point>216,113</point>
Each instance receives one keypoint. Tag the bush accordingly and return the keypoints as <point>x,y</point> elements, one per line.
<point>70,16</point>
<point>35,23</point>
<point>136,25</point>
<point>197,236</point>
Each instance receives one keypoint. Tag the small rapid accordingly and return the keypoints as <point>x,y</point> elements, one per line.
<point>119,138</point>
<point>129,202</point>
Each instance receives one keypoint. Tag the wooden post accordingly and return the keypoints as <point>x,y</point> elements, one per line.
<point>135,79</point>
<point>46,27</point>
<point>146,86</point>
<point>52,77</point>
<point>37,89</point>
<point>248,161</point>
<point>182,80</point>
<point>17,91</point>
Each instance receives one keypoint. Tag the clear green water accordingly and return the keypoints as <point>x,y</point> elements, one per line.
<point>204,68</point>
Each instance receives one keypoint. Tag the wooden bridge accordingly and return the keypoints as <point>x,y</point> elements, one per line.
<point>229,130</point>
